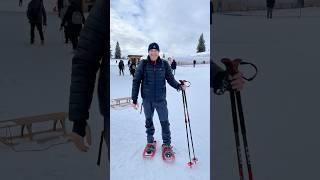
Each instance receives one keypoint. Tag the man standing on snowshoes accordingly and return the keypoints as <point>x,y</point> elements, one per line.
<point>152,74</point>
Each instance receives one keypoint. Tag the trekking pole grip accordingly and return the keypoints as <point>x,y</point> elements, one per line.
<point>232,66</point>
<point>185,82</point>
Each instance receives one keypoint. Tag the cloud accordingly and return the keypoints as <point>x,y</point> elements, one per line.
<point>174,24</point>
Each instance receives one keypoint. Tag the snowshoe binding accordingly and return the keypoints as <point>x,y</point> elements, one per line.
<point>167,153</point>
<point>150,150</point>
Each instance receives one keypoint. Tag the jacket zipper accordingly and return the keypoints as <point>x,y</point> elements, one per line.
<point>154,73</point>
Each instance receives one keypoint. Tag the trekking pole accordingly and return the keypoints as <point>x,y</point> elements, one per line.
<point>186,104</point>
<point>244,134</point>
<point>100,148</point>
<point>185,120</point>
<point>235,97</point>
<point>236,133</point>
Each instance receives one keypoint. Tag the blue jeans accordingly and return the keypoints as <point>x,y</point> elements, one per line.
<point>162,111</point>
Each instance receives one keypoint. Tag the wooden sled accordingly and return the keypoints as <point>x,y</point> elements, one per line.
<point>120,102</point>
<point>27,122</point>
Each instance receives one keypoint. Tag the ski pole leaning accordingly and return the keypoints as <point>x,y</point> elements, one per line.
<point>188,125</point>
<point>237,111</point>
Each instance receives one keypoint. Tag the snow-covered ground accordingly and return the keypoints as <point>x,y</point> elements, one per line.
<point>36,80</point>
<point>128,136</point>
<point>201,58</point>
<point>281,105</point>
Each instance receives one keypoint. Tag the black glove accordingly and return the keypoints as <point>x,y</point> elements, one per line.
<point>221,83</point>
<point>134,101</point>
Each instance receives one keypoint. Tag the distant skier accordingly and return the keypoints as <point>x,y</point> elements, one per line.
<point>20,3</point>
<point>132,68</point>
<point>36,14</point>
<point>75,19</point>
<point>194,63</point>
<point>152,74</point>
<point>121,67</point>
<point>174,67</point>
<point>220,78</point>
<point>270,5</point>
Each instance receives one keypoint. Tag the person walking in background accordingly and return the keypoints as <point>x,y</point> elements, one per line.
<point>20,3</point>
<point>62,13</point>
<point>174,67</point>
<point>194,63</point>
<point>36,14</point>
<point>60,6</point>
<point>121,67</point>
<point>270,5</point>
<point>132,68</point>
<point>129,62</point>
<point>73,19</point>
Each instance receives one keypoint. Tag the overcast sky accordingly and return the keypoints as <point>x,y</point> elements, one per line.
<point>175,25</point>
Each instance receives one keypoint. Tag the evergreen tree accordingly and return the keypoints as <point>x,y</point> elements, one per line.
<point>117,54</point>
<point>201,45</point>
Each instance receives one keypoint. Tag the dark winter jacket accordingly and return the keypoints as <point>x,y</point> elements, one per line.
<point>67,18</point>
<point>152,78</point>
<point>91,55</point>
<point>36,12</point>
<point>174,65</point>
<point>60,4</point>
<point>270,3</point>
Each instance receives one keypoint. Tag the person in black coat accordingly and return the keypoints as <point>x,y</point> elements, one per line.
<point>75,19</point>
<point>90,58</point>
<point>133,68</point>
<point>121,67</point>
<point>60,6</point>
<point>174,67</point>
<point>37,17</point>
<point>270,5</point>
<point>151,76</point>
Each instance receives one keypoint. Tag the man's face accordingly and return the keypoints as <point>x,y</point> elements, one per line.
<point>154,54</point>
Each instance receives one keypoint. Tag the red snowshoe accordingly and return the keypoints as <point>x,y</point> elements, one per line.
<point>150,150</point>
<point>167,153</point>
